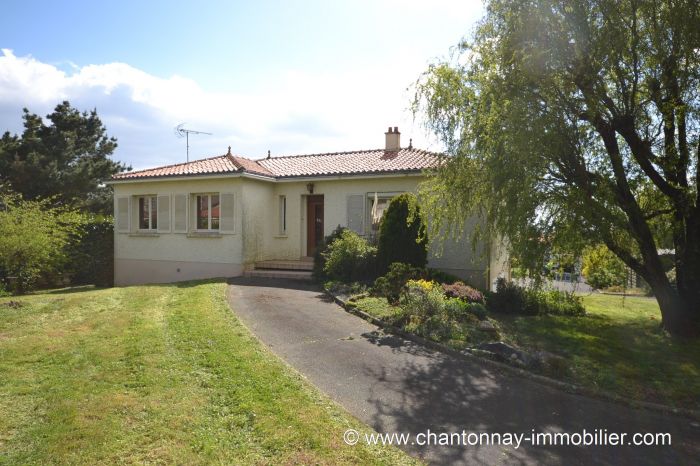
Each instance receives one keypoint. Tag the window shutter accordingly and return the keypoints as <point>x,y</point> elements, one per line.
<point>123,216</point>
<point>227,211</point>
<point>180,214</point>
<point>356,213</point>
<point>164,214</point>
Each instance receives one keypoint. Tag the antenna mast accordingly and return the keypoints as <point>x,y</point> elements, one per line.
<point>180,131</point>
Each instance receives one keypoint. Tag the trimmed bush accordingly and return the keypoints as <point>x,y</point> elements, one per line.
<point>391,284</point>
<point>402,234</point>
<point>464,292</point>
<point>349,258</point>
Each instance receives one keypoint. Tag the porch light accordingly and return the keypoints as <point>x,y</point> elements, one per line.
<point>310,188</point>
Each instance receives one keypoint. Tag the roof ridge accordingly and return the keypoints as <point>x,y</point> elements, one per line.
<point>319,153</point>
<point>345,152</point>
<point>175,164</point>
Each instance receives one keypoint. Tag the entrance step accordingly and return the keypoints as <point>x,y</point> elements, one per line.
<point>271,273</point>
<point>284,265</point>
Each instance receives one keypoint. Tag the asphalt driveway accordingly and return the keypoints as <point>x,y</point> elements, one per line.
<point>395,385</point>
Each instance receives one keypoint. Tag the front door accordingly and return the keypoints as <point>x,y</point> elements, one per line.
<point>314,223</point>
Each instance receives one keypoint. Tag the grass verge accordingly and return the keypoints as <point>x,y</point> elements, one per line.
<point>157,374</point>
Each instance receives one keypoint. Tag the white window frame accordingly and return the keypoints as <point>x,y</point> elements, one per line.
<point>196,214</point>
<point>148,201</point>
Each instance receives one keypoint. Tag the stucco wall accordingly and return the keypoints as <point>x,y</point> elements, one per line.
<point>172,251</point>
<point>171,256</point>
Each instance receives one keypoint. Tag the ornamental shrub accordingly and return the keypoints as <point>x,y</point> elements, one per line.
<point>319,259</point>
<point>419,300</point>
<point>508,298</point>
<point>478,309</point>
<point>402,234</point>
<point>391,284</point>
<point>349,258</point>
<point>464,292</point>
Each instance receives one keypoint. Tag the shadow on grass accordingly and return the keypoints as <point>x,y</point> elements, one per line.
<point>632,357</point>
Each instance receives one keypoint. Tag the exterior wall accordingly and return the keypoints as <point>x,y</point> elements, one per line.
<point>335,211</point>
<point>460,258</point>
<point>168,257</point>
<point>454,257</point>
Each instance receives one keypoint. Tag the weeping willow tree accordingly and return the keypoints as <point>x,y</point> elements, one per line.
<point>576,123</point>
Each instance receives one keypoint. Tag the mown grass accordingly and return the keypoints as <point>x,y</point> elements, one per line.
<point>615,347</point>
<point>157,374</point>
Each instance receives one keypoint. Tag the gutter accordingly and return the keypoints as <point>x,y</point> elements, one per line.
<point>280,179</point>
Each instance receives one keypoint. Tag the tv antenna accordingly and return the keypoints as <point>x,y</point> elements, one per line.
<point>182,132</point>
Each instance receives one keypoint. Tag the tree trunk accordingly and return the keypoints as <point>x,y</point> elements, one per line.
<point>679,310</point>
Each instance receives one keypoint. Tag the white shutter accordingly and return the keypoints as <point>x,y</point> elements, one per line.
<point>227,211</point>
<point>164,214</point>
<point>356,213</point>
<point>180,213</point>
<point>122,214</point>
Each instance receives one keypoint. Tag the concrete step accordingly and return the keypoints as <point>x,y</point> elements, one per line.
<point>288,274</point>
<point>284,265</point>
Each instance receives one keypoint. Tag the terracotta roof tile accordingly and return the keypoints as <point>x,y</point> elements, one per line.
<point>336,163</point>
<point>345,163</point>
<point>251,166</point>
<point>212,165</point>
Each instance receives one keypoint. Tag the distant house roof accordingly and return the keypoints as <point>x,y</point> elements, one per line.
<point>378,161</point>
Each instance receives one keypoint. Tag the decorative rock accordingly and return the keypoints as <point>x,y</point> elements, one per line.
<point>507,353</point>
<point>487,326</point>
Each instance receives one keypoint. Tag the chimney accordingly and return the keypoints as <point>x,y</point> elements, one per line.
<point>393,138</point>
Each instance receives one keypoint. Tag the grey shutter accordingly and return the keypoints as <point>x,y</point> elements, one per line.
<point>356,213</point>
<point>227,211</point>
<point>123,216</point>
<point>164,214</point>
<point>180,213</point>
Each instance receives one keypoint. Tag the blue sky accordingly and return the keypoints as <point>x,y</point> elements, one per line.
<point>290,77</point>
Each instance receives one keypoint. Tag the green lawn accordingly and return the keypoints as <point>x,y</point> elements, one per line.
<point>157,374</point>
<point>614,348</point>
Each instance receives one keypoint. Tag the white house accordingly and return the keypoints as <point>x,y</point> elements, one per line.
<point>228,215</point>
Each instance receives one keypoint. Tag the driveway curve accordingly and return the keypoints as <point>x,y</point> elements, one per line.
<point>395,385</point>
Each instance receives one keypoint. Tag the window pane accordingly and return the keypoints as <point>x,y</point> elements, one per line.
<point>215,212</point>
<point>143,213</point>
<point>202,212</point>
<point>154,212</point>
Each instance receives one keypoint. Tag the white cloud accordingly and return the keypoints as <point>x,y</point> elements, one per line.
<point>295,113</point>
